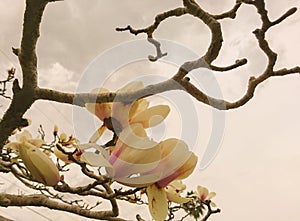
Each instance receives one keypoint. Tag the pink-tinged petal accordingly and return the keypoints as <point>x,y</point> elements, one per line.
<point>181,173</point>
<point>151,116</point>
<point>98,133</point>
<point>127,169</point>
<point>93,159</point>
<point>202,192</point>
<point>175,161</point>
<point>157,202</point>
<point>135,149</point>
<point>139,181</point>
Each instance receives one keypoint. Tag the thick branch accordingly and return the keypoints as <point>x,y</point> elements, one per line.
<point>31,32</point>
<point>24,98</point>
<point>7,200</point>
<point>82,98</point>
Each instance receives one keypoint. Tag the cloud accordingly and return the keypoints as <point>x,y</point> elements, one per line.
<point>57,77</point>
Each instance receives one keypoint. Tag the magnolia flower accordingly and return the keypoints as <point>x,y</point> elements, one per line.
<point>68,144</point>
<point>137,161</point>
<point>203,194</point>
<point>117,115</point>
<point>173,191</point>
<point>40,166</point>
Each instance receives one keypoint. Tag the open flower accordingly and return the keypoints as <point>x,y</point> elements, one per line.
<point>68,144</point>
<point>117,115</point>
<point>40,166</point>
<point>203,194</point>
<point>174,189</point>
<point>137,161</point>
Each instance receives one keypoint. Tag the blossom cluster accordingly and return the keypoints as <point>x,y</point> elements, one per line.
<point>130,158</point>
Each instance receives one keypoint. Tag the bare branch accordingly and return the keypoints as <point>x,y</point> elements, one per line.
<point>231,13</point>
<point>237,64</point>
<point>210,211</point>
<point>7,200</point>
<point>83,98</point>
<point>150,30</point>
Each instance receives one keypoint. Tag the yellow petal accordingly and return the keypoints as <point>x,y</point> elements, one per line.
<point>188,167</point>
<point>135,136</point>
<point>26,135</point>
<point>210,195</point>
<point>173,196</point>
<point>101,110</point>
<point>203,192</point>
<point>39,164</point>
<point>137,107</point>
<point>213,204</point>
<point>151,116</point>
<point>36,142</point>
<point>177,161</point>
<point>60,155</point>
<point>98,133</point>
<point>157,202</point>
<point>120,112</point>
<point>134,147</point>
<point>178,185</point>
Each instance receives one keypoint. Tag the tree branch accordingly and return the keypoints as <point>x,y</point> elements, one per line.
<point>7,200</point>
<point>24,98</point>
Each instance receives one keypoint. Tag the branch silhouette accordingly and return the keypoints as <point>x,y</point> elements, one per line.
<point>26,94</point>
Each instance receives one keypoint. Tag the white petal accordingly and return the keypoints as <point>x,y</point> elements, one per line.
<point>93,159</point>
<point>125,169</point>
<point>175,197</point>
<point>139,181</point>
<point>98,133</point>
<point>135,136</point>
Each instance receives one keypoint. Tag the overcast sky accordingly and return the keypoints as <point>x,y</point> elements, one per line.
<point>256,171</point>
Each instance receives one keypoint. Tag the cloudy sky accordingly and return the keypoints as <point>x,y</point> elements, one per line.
<point>255,171</point>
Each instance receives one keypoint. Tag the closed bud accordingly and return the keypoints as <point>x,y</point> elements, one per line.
<point>40,166</point>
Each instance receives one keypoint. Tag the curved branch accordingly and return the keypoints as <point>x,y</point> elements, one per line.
<point>237,64</point>
<point>39,200</point>
<point>231,13</point>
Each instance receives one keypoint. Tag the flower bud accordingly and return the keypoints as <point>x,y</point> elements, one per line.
<point>39,164</point>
